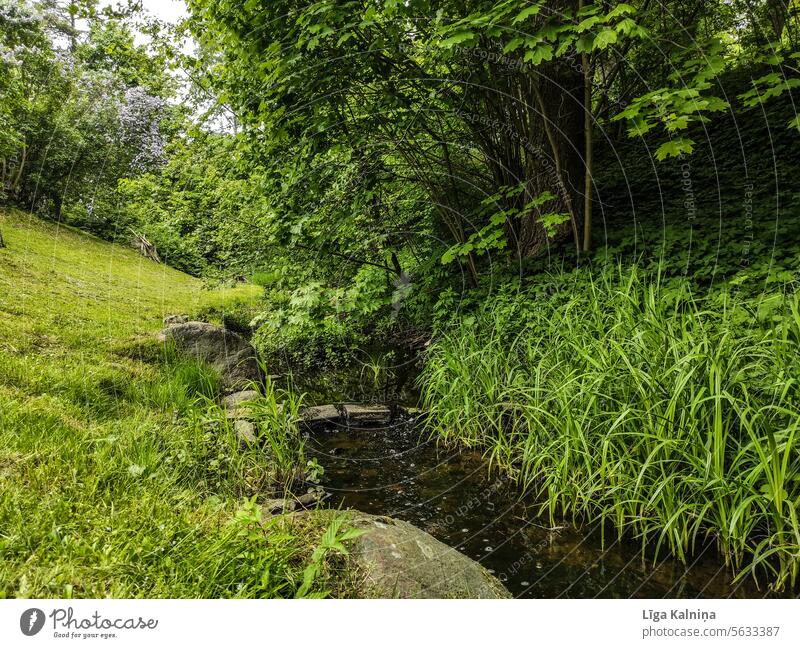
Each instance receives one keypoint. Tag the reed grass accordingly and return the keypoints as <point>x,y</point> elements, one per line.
<point>622,399</point>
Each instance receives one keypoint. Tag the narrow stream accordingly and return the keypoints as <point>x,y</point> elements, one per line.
<point>391,471</point>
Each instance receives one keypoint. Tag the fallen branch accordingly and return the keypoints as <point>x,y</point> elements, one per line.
<point>145,247</point>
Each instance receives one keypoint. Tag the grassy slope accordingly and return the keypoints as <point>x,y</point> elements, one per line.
<point>65,291</point>
<point>108,485</point>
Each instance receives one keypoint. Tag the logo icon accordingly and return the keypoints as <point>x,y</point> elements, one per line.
<point>31,621</point>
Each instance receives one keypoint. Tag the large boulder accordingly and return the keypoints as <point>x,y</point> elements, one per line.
<point>395,559</point>
<point>227,352</point>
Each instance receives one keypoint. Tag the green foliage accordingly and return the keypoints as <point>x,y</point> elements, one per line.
<point>408,155</point>
<point>675,109</point>
<point>198,208</point>
<point>315,325</point>
<point>198,379</point>
<point>493,235</point>
<point>112,483</point>
<point>276,416</point>
<point>626,398</point>
<point>332,542</point>
<point>73,121</point>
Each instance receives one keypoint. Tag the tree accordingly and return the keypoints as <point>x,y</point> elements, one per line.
<point>76,120</point>
<point>464,102</point>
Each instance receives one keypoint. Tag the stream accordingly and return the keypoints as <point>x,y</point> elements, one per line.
<point>447,492</point>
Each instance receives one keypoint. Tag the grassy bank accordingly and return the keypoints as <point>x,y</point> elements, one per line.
<point>620,397</point>
<point>110,483</point>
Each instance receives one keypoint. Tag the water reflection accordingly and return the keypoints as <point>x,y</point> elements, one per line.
<point>391,471</point>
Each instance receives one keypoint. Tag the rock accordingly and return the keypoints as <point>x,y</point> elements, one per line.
<point>311,498</point>
<point>321,414</point>
<point>239,414</point>
<point>367,413</point>
<point>275,506</point>
<point>226,351</point>
<point>234,403</point>
<point>245,413</point>
<point>171,320</point>
<point>245,430</point>
<point>398,560</point>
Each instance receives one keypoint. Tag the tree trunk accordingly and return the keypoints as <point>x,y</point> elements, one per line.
<point>556,163</point>
<point>778,11</point>
<point>588,147</point>
<point>536,140</point>
<point>58,203</point>
<point>18,178</point>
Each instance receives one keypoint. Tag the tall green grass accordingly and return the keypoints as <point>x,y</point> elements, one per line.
<point>275,462</point>
<point>114,482</point>
<point>619,399</point>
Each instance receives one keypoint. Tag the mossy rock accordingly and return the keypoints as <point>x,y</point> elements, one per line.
<point>227,352</point>
<point>395,559</point>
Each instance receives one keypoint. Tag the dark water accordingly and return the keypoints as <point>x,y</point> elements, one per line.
<point>391,471</point>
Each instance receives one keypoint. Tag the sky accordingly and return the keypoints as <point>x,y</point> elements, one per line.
<point>166,10</point>
<point>169,10</point>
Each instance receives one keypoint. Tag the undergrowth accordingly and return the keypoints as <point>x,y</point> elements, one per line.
<point>619,397</point>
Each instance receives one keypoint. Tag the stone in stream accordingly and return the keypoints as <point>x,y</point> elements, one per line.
<point>395,559</point>
<point>367,413</point>
<point>227,352</point>
<point>277,506</point>
<point>321,414</point>
<point>311,498</point>
<point>288,504</point>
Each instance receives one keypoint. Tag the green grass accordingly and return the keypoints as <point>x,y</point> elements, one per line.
<point>112,481</point>
<point>619,398</point>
